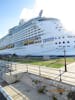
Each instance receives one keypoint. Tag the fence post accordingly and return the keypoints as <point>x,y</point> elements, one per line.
<point>5,69</point>
<point>10,67</point>
<point>27,68</point>
<point>15,66</point>
<point>60,75</point>
<point>39,71</point>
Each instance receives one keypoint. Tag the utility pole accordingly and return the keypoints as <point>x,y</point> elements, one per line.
<point>65,60</point>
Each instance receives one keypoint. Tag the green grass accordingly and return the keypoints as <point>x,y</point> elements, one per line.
<point>54,63</point>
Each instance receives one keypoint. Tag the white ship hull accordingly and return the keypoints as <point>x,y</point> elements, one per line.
<point>39,51</point>
<point>38,37</point>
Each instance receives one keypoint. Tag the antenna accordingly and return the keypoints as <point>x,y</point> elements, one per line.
<point>40,13</point>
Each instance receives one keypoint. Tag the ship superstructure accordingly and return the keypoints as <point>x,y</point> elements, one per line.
<point>38,37</point>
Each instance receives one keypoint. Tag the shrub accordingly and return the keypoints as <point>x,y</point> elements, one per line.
<point>54,98</point>
<point>71,95</point>
<point>42,89</point>
<point>36,81</point>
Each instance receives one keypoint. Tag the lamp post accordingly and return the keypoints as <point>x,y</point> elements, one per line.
<point>65,60</point>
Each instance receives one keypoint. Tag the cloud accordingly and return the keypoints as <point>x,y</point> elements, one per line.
<point>2,35</point>
<point>61,9</point>
<point>26,13</point>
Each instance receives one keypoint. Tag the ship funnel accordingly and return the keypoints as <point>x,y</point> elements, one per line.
<point>40,13</point>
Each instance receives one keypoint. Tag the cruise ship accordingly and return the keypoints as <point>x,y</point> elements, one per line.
<point>39,36</point>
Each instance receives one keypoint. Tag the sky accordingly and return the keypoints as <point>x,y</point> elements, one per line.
<point>12,11</point>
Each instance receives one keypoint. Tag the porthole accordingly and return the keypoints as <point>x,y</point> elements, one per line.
<point>68,42</point>
<point>63,42</point>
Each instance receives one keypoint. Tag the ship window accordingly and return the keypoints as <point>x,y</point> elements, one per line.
<point>59,29</point>
<point>59,42</point>
<point>63,37</point>
<point>63,46</point>
<point>37,41</point>
<point>48,39</point>
<point>63,42</point>
<point>56,43</point>
<point>68,46</point>
<point>7,47</point>
<point>69,36</point>
<point>68,42</point>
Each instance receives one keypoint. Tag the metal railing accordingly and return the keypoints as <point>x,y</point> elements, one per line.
<point>42,71</point>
